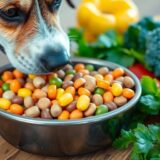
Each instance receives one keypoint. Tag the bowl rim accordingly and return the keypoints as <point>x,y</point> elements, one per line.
<point>88,120</point>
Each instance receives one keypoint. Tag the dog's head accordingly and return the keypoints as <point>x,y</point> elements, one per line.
<point>31,35</point>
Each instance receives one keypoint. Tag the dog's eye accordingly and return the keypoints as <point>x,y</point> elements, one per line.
<point>11,14</point>
<point>55,5</point>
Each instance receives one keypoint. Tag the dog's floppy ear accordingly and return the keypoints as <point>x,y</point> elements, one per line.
<point>70,3</point>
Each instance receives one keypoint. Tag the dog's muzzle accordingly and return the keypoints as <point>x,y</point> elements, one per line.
<point>53,58</point>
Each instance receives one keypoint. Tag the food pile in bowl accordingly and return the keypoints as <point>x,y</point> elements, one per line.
<point>74,92</point>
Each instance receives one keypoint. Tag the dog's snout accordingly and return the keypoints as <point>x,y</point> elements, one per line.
<point>53,58</point>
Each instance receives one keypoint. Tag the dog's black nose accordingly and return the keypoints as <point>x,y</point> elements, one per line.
<point>54,58</point>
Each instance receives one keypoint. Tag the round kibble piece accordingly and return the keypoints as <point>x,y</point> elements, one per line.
<point>60,92</point>
<point>90,67</point>
<point>90,84</point>
<point>116,89</point>
<point>56,110</point>
<point>108,97</point>
<point>99,91</point>
<point>16,109</point>
<point>97,99</point>
<point>44,103</point>
<point>65,99</point>
<point>24,92</point>
<point>15,85</point>
<point>101,109</point>
<point>120,101</point>
<point>30,86</point>
<point>128,93</point>
<point>77,76</point>
<point>103,71</point>
<point>9,95</point>
<point>84,91</point>
<point>61,74</point>
<point>64,115</point>
<point>83,103</point>
<point>69,77</point>
<point>17,100</point>
<point>128,82</point>
<point>79,83</point>
<point>28,102</point>
<point>46,114</point>
<point>118,72</point>
<point>4,103</point>
<point>38,93</point>
<point>6,86</point>
<point>76,114</point>
<point>55,81</point>
<point>67,84</point>
<point>111,106</point>
<point>72,106</point>
<point>91,110</point>
<point>33,112</point>
<point>39,82</point>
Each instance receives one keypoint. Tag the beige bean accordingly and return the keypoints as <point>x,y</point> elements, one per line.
<point>69,77</point>
<point>93,73</point>
<point>68,67</point>
<point>17,100</point>
<point>45,88</point>
<point>77,76</point>
<point>67,84</point>
<point>33,112</point>
<point>90,83</point>
<point>103,71</point>
<point>46,114</point>
<point>30,86</point>
<point>72,106</point>
<point>111,106</point>
<point>38,93</point>
<point>44,103</point>
<point>97,99</point>
<point>120,79</point>
<point>129,82</point>
<point>9,95</point>
<point>61,74</point>
<point>91,110</point>
<point>28,102</point>
<point>120,101</point>
<point>39,82</point>
<point>56,110</point>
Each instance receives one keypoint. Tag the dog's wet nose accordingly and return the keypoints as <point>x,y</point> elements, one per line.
<point>54,58</point>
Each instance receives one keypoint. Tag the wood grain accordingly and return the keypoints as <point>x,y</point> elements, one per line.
<point>8,152</point>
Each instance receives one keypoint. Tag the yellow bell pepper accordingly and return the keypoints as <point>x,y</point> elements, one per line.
<point>98,16</point>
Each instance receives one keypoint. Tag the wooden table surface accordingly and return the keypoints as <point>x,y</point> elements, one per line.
<point>8,152</point>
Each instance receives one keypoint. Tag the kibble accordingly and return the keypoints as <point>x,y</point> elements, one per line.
<point>73,92</point>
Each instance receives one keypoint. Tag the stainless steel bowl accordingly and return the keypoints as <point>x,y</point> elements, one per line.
<point>72,137</point>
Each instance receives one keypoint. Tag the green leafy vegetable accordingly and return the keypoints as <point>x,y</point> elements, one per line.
<point>145,142</point>
<point>149,104</point>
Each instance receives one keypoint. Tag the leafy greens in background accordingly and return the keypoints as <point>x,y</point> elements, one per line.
<point>123,49</point>
<point>109,46</point>
<point>144,140</point>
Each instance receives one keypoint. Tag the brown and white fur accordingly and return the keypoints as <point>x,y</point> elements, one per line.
<point>31,35</point>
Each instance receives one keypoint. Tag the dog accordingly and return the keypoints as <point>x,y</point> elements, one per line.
<point>31,35</point>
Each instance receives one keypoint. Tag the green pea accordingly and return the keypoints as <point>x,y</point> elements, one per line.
<point>56,81</point>
<point>99,91</point>
<point>71,72</point>
<point>90,67</point>
<point>6,86</point>
<point>101,110</point>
